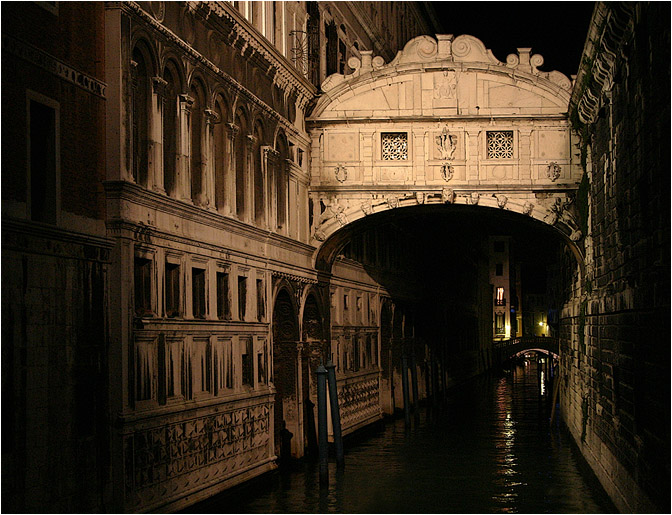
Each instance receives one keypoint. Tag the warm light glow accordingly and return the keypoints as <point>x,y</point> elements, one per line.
<point>541,324</point>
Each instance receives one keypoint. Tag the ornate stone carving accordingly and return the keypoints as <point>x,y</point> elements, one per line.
<point>528,207</point>
<point>341,173</point>
<point>447,171</point>
<point>159,86</point>
<point>367,207</point>
<point>392,202</point>
<point>447,86</point>
<point>446,144</point>
<point>359,401</point>
<point>420,197</point>
<point>559,212</point>
<point>212,117</point>
<point>473,198</point>
<point>553,171</point>
<point>502,200</point>
<point>447,195</point>
<point>170,460</point>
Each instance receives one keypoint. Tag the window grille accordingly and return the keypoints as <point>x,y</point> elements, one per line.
<point>394,146</point>
<point>500,144</point>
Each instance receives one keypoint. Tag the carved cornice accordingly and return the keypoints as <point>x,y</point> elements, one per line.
<point>284,74</point>
<point>170,36</point>
<point>610,28</point>
<point>293,277</point>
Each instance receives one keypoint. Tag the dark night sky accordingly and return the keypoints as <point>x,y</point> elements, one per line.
<point>556,30</point>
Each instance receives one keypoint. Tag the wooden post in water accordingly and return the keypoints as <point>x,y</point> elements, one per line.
<point>404,387</point>
<point>335,413</point>
<point>322,424</point>
<point>414,382</point>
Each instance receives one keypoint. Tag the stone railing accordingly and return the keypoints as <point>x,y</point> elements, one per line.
<point>359,400</point>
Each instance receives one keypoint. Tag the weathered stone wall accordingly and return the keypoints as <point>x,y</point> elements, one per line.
<point>615,333</point>
<point>55,429</point>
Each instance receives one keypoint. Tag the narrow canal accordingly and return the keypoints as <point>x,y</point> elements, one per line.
<point>490,449</point>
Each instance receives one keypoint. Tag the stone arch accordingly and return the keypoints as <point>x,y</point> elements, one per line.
<point>281,178</point>
<point>198,153</point>
<point>240,161</point>
<point>142,41</point>
<point>221,157</point>
<point>285,335</point>
<point>337,224</point>
<point>173,75</point>
<point>258,179</point>
<point>141,109</point>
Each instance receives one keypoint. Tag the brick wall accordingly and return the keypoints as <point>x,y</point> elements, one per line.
<point>615,332</point>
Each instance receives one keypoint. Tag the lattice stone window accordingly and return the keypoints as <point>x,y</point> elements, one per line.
<point>500,144</point>
<point>394,146</point>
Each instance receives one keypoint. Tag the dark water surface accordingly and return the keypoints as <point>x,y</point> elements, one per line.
<point>488,450</point>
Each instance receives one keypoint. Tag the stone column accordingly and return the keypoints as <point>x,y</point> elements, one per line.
<point>183,166</point>
<point>472,155</point>
<point>524,153</point>
<point>155,179</point>
<point>269,169</point>
<point>249,215</point>
<point>208,159</point>
<point>229,180</point>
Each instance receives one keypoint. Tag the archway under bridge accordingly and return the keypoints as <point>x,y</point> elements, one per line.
<point>433,265</point>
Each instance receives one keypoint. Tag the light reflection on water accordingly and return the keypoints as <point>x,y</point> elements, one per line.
<point>489,450</point>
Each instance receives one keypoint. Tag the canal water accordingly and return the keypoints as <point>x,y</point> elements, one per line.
<point>489,449</point>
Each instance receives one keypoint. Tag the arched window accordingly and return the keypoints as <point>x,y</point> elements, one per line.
<point>196,160</point>
<point>140,118</point>
<point>221,156</point>
<point>259,196</point>
<point>170,132</point>
<point>281,183</point>
<point>240,149</point>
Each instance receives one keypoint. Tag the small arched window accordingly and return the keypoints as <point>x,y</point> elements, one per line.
<point>240,149</point>
<point>259,187</point>
<point>196,125</point>
<point>281,183</point>
<point>140,118</point>
<point>170,132</point>
<point>221,156</point>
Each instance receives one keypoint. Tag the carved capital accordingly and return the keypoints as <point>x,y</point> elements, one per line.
<point>232,129</point>
<point>269,153</point>
<point>212,117</point>
<point>159,86</point>
<point>186,102</point>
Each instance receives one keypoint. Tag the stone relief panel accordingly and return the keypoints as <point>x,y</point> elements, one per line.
<point>499,172</point>
<point>171,460</point>
<point>342,147</point>
<point>551,144</point>
<point>396,174</point>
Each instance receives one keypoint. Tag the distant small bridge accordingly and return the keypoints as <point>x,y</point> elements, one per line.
<point>507,349</point>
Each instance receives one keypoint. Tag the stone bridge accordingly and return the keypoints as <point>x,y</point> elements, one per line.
<point>445,124</point>
<point>507,349</point>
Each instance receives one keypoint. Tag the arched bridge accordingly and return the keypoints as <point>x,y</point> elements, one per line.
<point>507,349</point>
<point>444,123</point>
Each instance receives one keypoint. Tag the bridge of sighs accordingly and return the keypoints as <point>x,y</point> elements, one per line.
<point>444,123</point>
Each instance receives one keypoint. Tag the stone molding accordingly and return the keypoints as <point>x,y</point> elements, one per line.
<point>304,95</point>
<point>424,53</point>
<point>610,28</point>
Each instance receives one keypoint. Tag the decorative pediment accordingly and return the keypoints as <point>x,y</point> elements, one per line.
<point>457,75</point>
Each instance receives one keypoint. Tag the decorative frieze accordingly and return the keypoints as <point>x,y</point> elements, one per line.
<point>169,461</point>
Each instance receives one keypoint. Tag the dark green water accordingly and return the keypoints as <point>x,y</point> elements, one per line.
<point>489,450</point>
